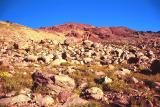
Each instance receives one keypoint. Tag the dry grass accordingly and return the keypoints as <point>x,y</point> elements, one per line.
<point>22,33</point>
<point>15,82</point>
<point>154,78</point>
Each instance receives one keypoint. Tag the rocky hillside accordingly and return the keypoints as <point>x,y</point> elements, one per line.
<point>104,67</point>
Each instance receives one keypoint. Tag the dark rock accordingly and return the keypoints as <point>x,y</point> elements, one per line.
<point>155,67</point>
<point>16,46</point>
<point>133,60</point>
<point>64,55</point>
<point>39,79</point>
<point>104,63</point>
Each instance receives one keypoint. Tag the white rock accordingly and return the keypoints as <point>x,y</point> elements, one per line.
<point>107,80</point>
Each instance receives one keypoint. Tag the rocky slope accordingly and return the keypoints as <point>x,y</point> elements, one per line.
<point>98,34</point>
<point>104,67</point>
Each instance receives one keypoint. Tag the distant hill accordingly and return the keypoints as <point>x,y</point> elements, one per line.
<point>74,32</point>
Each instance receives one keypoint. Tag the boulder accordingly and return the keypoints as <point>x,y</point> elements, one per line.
<point>119,52</point>
<point>122,71</point>
<point>133,60</point>
<point>74,100</point>
<point>47,101</point>
<point>16,99</point>
<point>54,82</point>
<point>150,54</point>
<point>104,62</point>
<point>87,60</point>
<point>83,85</point>
<point>134,80</point>
<point>111,67</point>
<point>64,55</point>
<point>25,91</point>
<point>16,46</point>
<point>64,81</point>
<point>107,80</point>
<point>46,59</point>
<point>10,94</point>
<point>58,61</point>
<point>104,80</point>
<point>43,100</point>
<point>31,58</point>
<point>155,66</point>
<point>87,43</point>
<point>94,93</point>
<point>63,96</point>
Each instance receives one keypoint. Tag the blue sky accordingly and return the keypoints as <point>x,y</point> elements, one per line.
<point>135,14</point>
